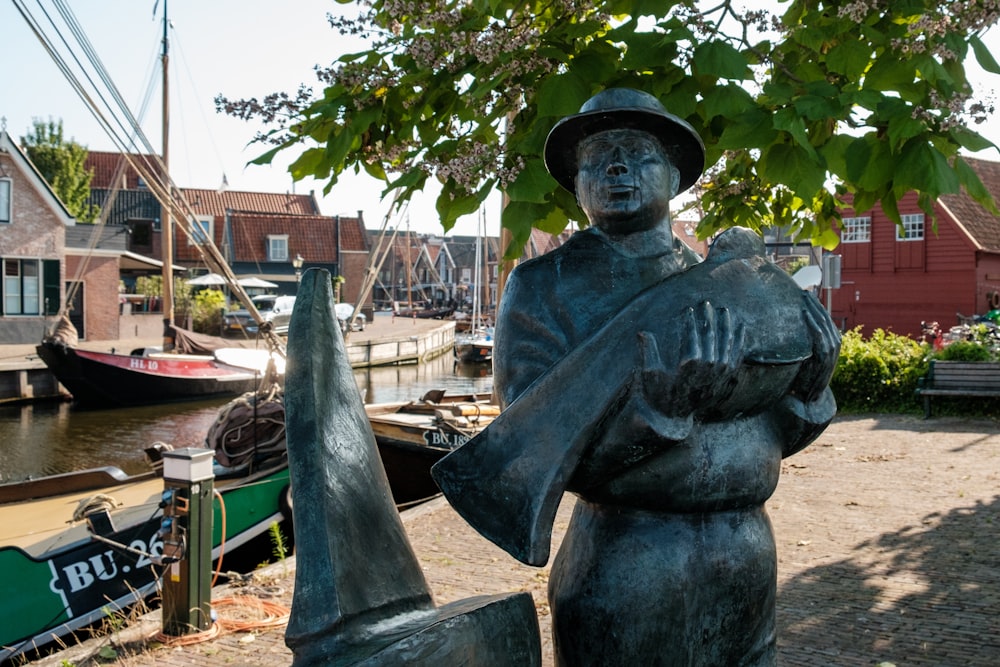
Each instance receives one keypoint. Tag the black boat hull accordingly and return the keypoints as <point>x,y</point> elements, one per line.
<point>105,380</point>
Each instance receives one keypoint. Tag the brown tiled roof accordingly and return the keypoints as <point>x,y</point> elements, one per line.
<point>312,236</point>
<point>406,249</point>
<point>206,202</point>
<point>982,226</point>
<point>541,242</point>
<point>215,203</point>
<point>105,164</point>
<point>433,250</point>
<point>353,235</point>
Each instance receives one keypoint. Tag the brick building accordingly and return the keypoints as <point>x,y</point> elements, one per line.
<point>33,225</point>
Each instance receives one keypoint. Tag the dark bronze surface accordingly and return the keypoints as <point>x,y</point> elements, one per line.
<point>360,595</point>
<point>662,390</point>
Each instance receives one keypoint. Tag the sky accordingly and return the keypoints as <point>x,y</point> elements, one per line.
<point>238,48</point>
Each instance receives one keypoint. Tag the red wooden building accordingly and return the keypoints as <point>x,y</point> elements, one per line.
<point>894,278</point>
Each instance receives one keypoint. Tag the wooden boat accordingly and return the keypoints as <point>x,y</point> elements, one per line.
<point>476,344</point>
<point>425,313</point>
<point>190,366</point>
<point>63,570</point>
<point>109,380</point>
<point>412,436</point>
<point>476,347</point>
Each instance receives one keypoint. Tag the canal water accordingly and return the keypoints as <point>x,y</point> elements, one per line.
<point>50,438</point>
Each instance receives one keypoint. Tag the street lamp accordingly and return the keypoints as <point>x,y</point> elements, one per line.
<point>297,263</point>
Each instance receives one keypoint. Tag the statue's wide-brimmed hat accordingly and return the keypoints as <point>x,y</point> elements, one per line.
<point>624,108</point>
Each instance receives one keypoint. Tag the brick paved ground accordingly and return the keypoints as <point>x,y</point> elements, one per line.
<point>887,541</point>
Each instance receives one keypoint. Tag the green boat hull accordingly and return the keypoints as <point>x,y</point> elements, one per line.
<point>73,586</point>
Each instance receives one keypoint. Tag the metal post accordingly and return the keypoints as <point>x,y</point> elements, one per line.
<point>831,278</point>
<point>186,529</point>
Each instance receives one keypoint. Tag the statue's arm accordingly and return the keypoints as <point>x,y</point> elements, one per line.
<point>810,405</point>
<point>527,343</point>
<point>800,422</point>
<point>535,329</point>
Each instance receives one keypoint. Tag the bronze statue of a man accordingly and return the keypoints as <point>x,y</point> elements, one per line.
<point>660,389</point>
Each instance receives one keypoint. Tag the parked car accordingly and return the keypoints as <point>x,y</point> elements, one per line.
<point>344,312</point>
<point>274,309</point>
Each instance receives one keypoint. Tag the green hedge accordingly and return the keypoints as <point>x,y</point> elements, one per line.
<point>880,374</point>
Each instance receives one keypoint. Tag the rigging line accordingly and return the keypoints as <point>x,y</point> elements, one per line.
<point>94,61</point>
<point>201,111</point>
<point>95,238</point>
<point>151,82</point>
<point>376,259</point>
<point>170,195</point>
<point>237,230</point>
<point>75,30</point>
<point>51,46</point>
<point>411,274</point>
<point>416,263</point>
<point>159,183</point>
<point>98,65</point>
<point>432,267</point>
<point>107,206</point>
<point>71,78</point>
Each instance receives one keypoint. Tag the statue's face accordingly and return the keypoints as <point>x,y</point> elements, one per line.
<point>624,180</point>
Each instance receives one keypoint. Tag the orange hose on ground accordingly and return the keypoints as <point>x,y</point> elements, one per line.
<point>274,615</point>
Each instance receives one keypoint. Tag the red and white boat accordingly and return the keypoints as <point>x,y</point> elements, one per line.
<point>149,376</point>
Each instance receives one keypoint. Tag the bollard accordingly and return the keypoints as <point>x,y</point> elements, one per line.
<point>186,530</point>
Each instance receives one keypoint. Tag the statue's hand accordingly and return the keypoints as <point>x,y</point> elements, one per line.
<point>816,372</point>
<point>710,356</point>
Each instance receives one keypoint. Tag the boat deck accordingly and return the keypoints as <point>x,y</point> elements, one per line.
<point>39,526</point>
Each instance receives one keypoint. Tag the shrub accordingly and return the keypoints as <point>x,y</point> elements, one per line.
<point>964,350</point>
<point>207,311</point>
<point>880,374</point>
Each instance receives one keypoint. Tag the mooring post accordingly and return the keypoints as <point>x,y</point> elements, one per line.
<point>186,530</point>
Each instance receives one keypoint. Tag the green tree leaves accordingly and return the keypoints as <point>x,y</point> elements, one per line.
<point>803,106</point>
<point>61,163</point>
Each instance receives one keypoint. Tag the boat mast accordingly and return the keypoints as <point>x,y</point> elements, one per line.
<point>409,266</point>
<point>167,231</point>
<point>477,278</point>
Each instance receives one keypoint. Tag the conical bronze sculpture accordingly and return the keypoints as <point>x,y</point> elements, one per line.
<point>360,595</point>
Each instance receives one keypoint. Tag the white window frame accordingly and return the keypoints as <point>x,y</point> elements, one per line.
<point>277,247</point>
<point>856,230</point>
<point>912,228</point>
<point>22,293</point>
<point>202,229</point>
<point>6,188</point>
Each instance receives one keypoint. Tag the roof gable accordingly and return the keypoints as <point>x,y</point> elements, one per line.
<point>981,225</point>
<point>353,235</point>
<point>540,242</point>
<point>38,183</point>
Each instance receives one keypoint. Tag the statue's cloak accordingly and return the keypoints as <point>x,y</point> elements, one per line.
<point>507,481</point>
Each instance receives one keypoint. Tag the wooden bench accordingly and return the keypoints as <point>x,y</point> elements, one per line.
<point>959,378</point>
